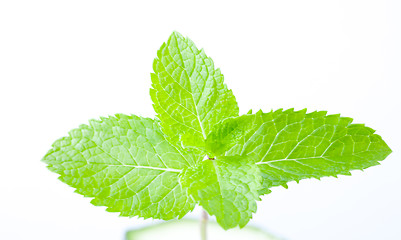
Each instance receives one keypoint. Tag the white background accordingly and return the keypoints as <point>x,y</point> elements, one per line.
<point>64,62</point>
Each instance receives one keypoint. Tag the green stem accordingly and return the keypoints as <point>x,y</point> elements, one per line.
<point>203,225</point>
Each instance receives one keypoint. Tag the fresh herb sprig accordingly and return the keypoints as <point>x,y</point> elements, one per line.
<point>199,150</point>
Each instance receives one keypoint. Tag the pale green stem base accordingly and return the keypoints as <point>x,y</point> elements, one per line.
<point>203,225</point>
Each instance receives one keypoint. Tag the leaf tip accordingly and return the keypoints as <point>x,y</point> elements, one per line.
<point>174,36</point>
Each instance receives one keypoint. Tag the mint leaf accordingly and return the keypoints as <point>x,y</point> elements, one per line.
<point>293,145</point>
<point>230,132</point>
<point>126,164</point>
<point>226,187</point>
<point>188,93</point>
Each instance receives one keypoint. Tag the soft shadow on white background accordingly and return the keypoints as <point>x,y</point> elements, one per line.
<point>64,62</point>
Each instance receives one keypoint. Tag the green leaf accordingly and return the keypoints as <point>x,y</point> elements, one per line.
<point>293,145</point>
<point>230,132</point>
<point>226,187</point>
<point>126,164</point>
<point>188,93</point>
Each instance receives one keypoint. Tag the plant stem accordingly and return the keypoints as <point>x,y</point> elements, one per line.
<point>203,225</point>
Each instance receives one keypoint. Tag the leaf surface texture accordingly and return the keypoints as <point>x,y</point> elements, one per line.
<point>188,93</point>
<point>227,188</point>
<point>126,164</point>
<point>293,145</point>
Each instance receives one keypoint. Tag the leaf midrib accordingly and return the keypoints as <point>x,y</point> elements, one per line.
<point>144,167</point>
<point>190,92</point>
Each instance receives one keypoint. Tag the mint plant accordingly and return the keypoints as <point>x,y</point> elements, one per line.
<point>199,150</point>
